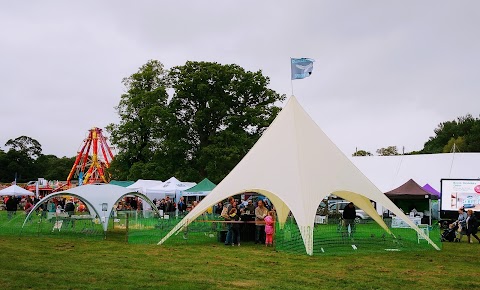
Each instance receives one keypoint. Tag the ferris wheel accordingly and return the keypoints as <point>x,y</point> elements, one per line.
<point>89,166</point>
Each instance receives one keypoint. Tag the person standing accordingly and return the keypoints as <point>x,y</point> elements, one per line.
<point>235,218</point>
<point>472,226</point>
<point>269,228</point>
<point>461,222</point>
<point>182,206</point>
<point>231,204</point>
<point>11,205</point>
<point>349,215</point>
<point>260,213</point>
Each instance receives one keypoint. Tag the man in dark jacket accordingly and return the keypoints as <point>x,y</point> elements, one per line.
<point>182,206</point>
<point>349,215</point>
<point>11,206</point>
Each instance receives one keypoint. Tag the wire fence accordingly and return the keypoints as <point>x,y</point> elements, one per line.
<point>142,227</point>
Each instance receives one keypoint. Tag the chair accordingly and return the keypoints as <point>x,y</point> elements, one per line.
<point>425,230</point>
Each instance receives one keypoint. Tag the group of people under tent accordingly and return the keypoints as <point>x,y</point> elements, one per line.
<point>233,212</point>
<point>466,224</point>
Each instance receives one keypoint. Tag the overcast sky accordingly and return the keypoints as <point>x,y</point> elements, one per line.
<point>386,72</point>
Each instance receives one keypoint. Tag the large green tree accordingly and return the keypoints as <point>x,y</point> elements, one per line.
<point>217,113</point>
<point>139,133</point>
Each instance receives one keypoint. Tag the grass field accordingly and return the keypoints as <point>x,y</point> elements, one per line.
<point>69,263</point>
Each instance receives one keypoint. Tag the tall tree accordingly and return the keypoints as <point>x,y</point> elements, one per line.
<point>26,145</point>
<point>216,115</point>
<point>141,108</point>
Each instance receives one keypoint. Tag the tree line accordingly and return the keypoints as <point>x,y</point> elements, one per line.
<point>459,135</point>
<point>24,161</point>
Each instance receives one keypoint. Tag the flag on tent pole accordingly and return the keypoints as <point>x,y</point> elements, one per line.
<point>301,67</point>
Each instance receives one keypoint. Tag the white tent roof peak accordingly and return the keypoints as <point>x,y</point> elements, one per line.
<point>296,165</point>
<point>141,185</point>
<point>15,190</point>
<point>170,186</point>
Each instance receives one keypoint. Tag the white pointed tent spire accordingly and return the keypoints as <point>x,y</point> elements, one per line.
<point>296,165</point>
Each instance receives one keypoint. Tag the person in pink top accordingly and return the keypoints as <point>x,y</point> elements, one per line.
<point>269,228</point>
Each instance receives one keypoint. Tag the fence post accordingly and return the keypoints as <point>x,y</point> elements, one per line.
<point>126,227</point>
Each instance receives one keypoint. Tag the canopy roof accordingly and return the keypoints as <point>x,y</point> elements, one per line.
<point>172,186</point>
<point>95,196</point>
<point>204,187</point>
<point>295,165</point>
<point>141,185</point>
<point>15,190</point>
<point>410,190</point>
<point>432,190</point>
<point>122,183</point>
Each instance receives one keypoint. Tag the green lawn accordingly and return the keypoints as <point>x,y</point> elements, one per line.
<point>70,263</point>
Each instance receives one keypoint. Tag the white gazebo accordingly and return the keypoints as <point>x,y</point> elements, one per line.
<point>15,190</point>
<point>172,188</point>
<point>99,198</point>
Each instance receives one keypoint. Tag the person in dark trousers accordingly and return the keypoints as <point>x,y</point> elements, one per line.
<point>349,215</point>
<point>182,206</point>
<point>260,213</point>
<point>228,238</point>
<point>11,205</point>
<point>472,226</point>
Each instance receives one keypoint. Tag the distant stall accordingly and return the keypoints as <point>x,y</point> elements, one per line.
<point>202,189</point>
<point>414,199</point>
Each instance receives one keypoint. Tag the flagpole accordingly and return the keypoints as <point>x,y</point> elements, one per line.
<point>291,79</point>
<point>291,82</point>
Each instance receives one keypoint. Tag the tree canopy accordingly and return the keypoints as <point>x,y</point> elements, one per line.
<point>464,132</point>
<point>215,115</point>
<point>25,161</point>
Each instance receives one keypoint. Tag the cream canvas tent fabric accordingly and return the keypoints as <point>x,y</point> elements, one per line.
<point>94,195</point>
<point>296,165</point>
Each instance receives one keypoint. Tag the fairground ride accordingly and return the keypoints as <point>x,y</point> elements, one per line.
<point>89,166</point>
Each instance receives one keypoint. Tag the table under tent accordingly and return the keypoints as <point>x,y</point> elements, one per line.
<point>414,200</point>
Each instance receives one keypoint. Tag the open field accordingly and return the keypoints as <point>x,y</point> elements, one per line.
<point>68,263</point>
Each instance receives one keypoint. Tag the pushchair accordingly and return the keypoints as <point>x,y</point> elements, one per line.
<point>449,235</point>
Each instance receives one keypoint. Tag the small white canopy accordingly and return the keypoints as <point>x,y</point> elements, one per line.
<point>172,187</point>
<point>296,166</point>
<point>99,198</point>
<point>15,190</point>
<point>141,185</point>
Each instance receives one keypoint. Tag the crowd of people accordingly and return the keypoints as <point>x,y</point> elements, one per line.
<point>235,213</point>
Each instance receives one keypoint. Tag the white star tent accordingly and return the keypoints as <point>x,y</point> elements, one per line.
<point>296,165</point>
<point>15,190</point>
<point>95,196</point>
<point>141,185</point>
